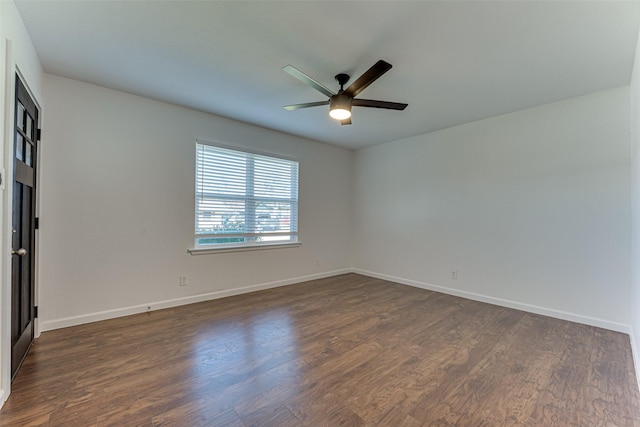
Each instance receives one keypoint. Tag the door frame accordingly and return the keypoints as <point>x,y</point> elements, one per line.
<point>10,71</point>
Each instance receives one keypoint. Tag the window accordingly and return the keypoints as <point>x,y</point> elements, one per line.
<point>244,198</point>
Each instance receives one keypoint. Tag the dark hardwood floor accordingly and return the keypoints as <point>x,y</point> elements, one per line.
<point>348,350</point>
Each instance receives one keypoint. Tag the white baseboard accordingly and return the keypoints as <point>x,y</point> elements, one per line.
<point>558,314</point>
<point>3,397</point>
<point>49,325</point>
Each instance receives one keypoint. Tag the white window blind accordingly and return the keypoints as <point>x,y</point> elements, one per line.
<point>244,198</point>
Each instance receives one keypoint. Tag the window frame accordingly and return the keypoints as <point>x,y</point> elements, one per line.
<point>197,248</point>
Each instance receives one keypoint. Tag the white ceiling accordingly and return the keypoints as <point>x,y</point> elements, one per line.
<point>453,61</point>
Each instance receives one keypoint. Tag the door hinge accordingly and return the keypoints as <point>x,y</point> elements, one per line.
<point>35,312</point>
<point>38,134</point>
<point>36,223</point>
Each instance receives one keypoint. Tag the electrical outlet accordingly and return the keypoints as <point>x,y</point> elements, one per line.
<point>454,274</point>
<point>317,261</point>
<point>184,280</point>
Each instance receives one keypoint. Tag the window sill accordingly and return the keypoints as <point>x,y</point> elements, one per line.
<point>242,248</point>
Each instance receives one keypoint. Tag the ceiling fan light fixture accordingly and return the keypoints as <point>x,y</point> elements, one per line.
<point>340,114</point>
<point>340,107</point>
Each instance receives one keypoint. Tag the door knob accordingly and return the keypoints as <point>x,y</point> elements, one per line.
<point>19,252</point>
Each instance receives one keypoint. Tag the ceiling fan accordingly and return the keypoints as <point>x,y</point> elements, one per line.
<point>340,103</point>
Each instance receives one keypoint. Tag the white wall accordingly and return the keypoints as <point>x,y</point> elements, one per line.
<point>531,209</point>
<point>117,203</point>
<point>16,55</point>
<point>635,211</point>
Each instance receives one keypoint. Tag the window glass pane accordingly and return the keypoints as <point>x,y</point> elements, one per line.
<point>19,147</point>
<point>274,216</point>
<point>29,127</point>
<point>218,241</point>
<point>20,116</point>
<point>219,216</point>
<point>221,173</point>
<point>273,179</point>
<point>27,154</point>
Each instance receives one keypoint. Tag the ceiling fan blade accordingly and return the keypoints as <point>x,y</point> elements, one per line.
<point>378,104</point>
<point>370,76</point>
<point>305,105</point>
<point>346,121</point>
<point>294,72</point>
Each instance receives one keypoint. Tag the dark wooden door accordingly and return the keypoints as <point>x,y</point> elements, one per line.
<point>23,232</point>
